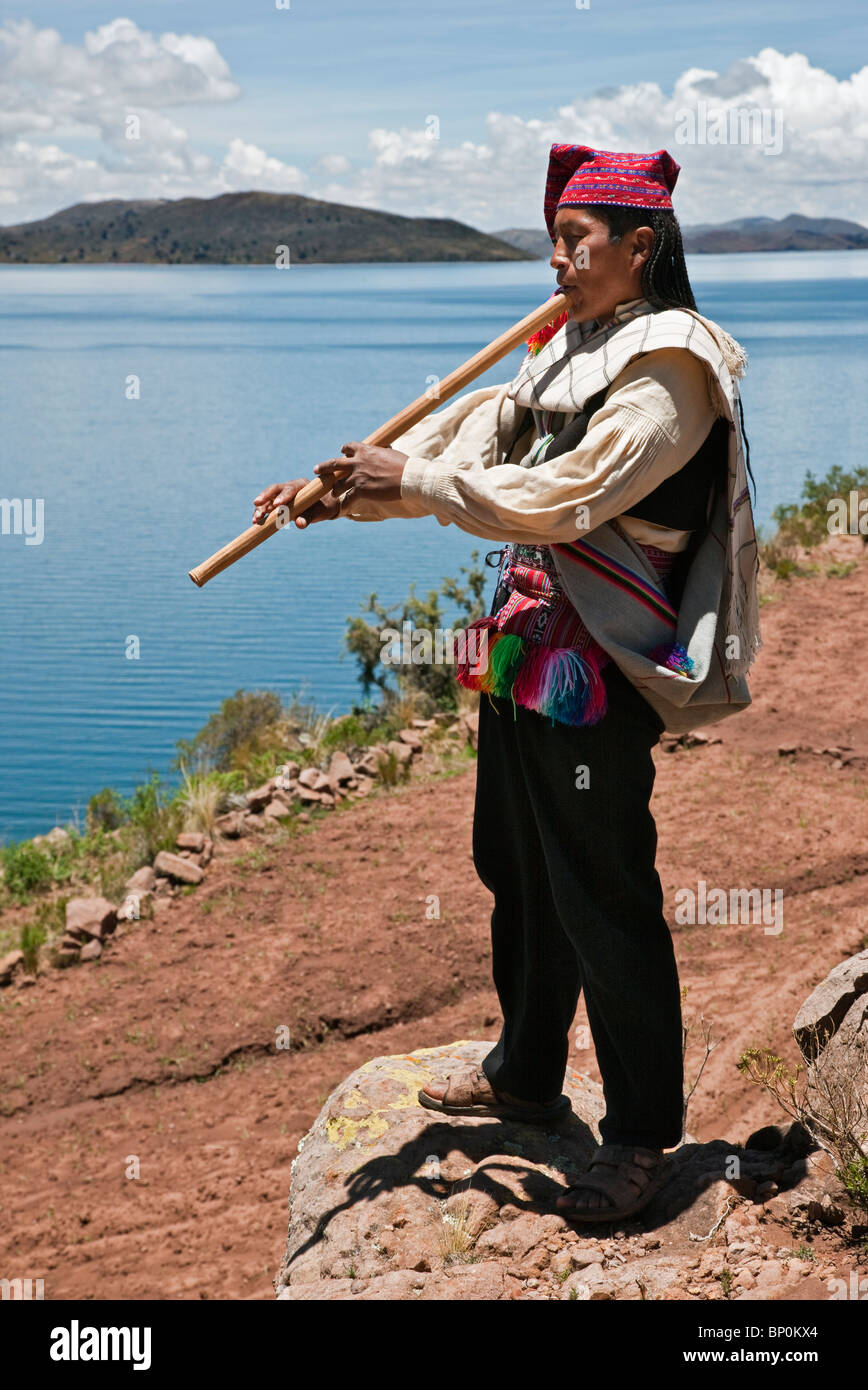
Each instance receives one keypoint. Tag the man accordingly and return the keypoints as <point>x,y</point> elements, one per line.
<point>611,469</point>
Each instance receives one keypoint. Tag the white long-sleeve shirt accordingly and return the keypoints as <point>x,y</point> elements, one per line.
<point>655,416</point>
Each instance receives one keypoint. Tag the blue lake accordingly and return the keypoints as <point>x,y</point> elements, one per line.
<point>250,375</point>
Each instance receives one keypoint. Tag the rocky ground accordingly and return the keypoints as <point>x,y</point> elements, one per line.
<point>151,1108</point>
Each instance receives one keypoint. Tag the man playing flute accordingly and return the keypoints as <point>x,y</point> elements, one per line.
<point>612,472</point>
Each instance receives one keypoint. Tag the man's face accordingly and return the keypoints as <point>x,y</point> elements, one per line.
<point>596,273</point>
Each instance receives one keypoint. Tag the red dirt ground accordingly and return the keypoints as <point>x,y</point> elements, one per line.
<point>165,1049</point>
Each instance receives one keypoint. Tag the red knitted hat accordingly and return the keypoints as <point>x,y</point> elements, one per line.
<point>578,174</point>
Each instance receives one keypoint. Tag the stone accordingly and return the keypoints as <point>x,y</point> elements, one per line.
<point>839,1075</point>
<point>369,764</point>
<point>207,852</point>
<point>372,1124</point>
<point>191,839</point>
<point>232,825</point>
<point>57,837</point>
<point>259,798</point>
<point>92,951</point>
<point>401,751</point>
<point>66,956</point>
<point>477,1210</point>
<point>142,881</point>
<point>391,1201</point>
<point>824,1010</point>
<point>584,1256</point>
<point>411,738</point>
<point>174,867</point>
<point>9,964</point>
<point>341,771</point>
<point>308,795</point>
<point>90,917</point>
<point>365,786</point>
<point>276,809</point>
<point>308,777</point>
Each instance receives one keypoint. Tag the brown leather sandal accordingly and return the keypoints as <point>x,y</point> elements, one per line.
<point>628,1176</point>
<point>471,1093</point>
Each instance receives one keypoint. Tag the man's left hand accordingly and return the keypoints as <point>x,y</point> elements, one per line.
<point>375,476</point>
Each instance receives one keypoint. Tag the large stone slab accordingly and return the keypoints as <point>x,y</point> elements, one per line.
<point>823,1011</point>
<point>389,1200</point>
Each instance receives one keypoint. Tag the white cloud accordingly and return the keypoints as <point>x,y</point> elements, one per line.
<point>332,164</point>
<point>65,111</point>
<point>247,166</point>
<point>810,155</point>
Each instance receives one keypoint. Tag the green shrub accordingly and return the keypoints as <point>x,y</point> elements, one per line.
<point>347,732</point>
<point>105,810</point>
<point>854,1177</point>
<point>156,816</point>
<point>434,683</point>
<point>240,727</point>
<point>26,870</point>
<point>33,937</point>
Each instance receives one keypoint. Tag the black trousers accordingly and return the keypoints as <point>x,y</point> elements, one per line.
<point>578,905</point>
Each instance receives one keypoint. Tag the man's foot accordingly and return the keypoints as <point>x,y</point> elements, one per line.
<point>471,1093</point>
<point>621,1179</point>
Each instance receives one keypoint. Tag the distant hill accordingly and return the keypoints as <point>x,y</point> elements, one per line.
<point>793,233</point>
<point>244,228</point>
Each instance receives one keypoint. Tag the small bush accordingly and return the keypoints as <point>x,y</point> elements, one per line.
<point>348,732</point>
<point>390,771</point>
<point>33,937</point>
<point>26,870</point>
<point>155,816</point>
<point>201,801</point>
<point>240,727</point>
<point>105,810</point>
<point>854,1177</point>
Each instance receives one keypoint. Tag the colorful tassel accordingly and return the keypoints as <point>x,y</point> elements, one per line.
<point>537,341</point>
<point>563,685</point>
<point>505,655</point>
<point>557,682</point>
<point>673,655</point>
<point>471,674</point>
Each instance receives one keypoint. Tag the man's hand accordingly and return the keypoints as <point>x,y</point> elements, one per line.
<point>375,475</point>
<point>282,494</point>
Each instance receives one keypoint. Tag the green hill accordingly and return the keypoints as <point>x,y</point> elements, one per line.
<point>243,229</point>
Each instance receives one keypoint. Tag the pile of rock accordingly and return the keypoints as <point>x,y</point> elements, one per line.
<point>89,922</point>
<point>296,790</point>
<point>293,791</point>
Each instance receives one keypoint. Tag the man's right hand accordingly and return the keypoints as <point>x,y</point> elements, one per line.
<point>282,494</point>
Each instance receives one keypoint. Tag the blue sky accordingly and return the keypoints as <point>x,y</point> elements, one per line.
<point>315,80</point>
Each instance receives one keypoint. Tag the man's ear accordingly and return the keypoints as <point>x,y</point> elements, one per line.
<point>642,242</point>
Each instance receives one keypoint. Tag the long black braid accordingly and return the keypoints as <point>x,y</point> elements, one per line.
<point>665,282</point>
